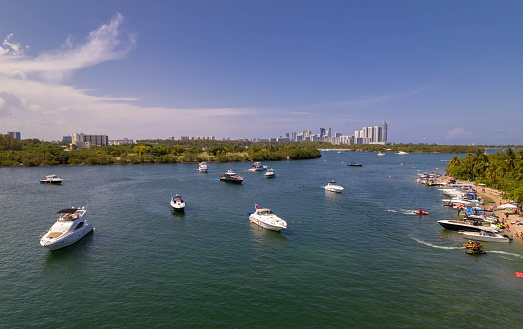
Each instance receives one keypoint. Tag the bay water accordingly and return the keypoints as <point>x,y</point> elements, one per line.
<point>356,259</point>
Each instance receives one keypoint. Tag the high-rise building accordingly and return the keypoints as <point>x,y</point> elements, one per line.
<point>329,132</point>
<point>322,132</point>
<point>384,126</point>
<point>15,134</point>
<point>293,136</point>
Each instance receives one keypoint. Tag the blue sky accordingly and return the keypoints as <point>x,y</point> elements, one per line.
<point>445,72</point>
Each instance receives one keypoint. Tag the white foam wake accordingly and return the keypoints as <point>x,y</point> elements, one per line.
<point>433,246</point>
<point>504,253</point>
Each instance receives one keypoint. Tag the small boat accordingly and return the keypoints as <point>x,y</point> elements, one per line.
<point>202,167</point>
<point>353,164</point>
<point>231,177</point>
<point>475,251</point>
<point>421,212</point>
<point>70,227</point>
<point>402,153</point>
<point>266,219</point>
<point>486,236</point>
<point>257,166</point>
<point>333,187</point>
<point>460,225</point>
<point>51,179</point>
<point>270,173</point>
<point>472,244</point>
<point>381,154</point>
<point>177,203</point>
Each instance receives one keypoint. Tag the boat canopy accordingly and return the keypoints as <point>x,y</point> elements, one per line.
<point>262,211</point>
<point>67,211</point>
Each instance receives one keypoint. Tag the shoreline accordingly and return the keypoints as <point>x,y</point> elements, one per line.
<point>496,199</point>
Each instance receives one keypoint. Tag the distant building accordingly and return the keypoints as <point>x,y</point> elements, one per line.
<point>322,132</point>
<point>82,140</point>
<point>15,134</point>
<point>121,141</point>
<point>384,126</point>
<point>67,139</point>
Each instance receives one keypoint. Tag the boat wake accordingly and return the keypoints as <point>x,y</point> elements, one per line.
<point>504,253</point>
<point>434,246</point>
<point>409,212</point>
<point>390,210</point>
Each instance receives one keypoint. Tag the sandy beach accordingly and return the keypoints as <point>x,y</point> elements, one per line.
<point>493,198</point>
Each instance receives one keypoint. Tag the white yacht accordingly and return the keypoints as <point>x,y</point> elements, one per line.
<point>333,187</point>
<point>381,154</point>
<point>459,225</point>
<point>486,236</point>
<point>402,153</point>
<point>70,227</point>
<point>266,219</point>
<point>257,166</point>
<point>177,203</point>
<point>51,179</point>
<point>202,167</point>
<point>270,173</point>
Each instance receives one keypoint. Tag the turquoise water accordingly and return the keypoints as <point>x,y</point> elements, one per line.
<point>356,259</point>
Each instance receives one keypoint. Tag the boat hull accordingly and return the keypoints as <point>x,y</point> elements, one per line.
<point>265,225</point>
<point>50,182</point>
<point>459,226</point>
<point>331,189</point>
<point>68,240</point>
<point>478,237</point>
<point>178,207</point>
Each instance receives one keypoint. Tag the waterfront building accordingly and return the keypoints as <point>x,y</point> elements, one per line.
<point>15,134</point>
<point>82,140</point>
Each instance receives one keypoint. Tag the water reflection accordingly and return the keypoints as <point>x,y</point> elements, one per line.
<point>177,214</point>
<point>69,254</point>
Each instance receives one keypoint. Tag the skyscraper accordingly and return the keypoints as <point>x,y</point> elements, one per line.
<point>14,134</point>
<point>384,126</point>
<point>322,132</point>
<point>329,132</point>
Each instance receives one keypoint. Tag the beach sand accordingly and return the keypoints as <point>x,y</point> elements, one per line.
<point>493,198</point>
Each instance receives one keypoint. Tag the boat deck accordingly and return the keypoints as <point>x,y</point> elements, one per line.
<point>54,234</point>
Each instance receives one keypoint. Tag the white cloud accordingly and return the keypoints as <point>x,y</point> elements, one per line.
<point>458,133</point>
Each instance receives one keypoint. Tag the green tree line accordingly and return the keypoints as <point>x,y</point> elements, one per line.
<point>501,170</point>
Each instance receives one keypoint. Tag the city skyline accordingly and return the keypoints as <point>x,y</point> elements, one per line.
<point>246,69</point>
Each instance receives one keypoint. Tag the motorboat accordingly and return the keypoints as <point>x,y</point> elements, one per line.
<point>333,187</point>
<point>486,236</point>
<point>230,176</point>
<point>202,167</point>
<point>70,227</point>
<point>420,212</point>
<point>381,154</point>
<point>266,219</point>
<point>51,179</point>
<point>353,164</point>
<point>460,225</point>
<point>257,166</point>
<point>270,173</point>
<point>402,153</point>
<point>177,203</point>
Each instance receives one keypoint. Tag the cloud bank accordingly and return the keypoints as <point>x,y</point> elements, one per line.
<point>34,100</point>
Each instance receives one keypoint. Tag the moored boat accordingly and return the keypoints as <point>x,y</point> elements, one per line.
<point>202,167</point>
<point>333,187</point>
<point>460,225</point>
<point>266,219</point>
<point>486,236</point>
<point>51,179</point>
<point>231,177</point>
<point>381,154</point>
<point>177,203</point>
<point>257,166</point>
<point>270,173</point>
<point>70,227</point>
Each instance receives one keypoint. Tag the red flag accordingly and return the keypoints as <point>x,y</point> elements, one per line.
<point>255,206</point>
<point>519,274</point>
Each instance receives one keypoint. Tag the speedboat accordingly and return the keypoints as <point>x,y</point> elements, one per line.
<point>177,203</point>
<point>230,176</point>
<point>266,219</point>
<point>421,212</point>
<point>402,153</point>
<point>333,187</point>
<point>353,164</point>
<point>486,236</point>
<point>202,167</point>
<point>460,225</point>
<point>51,179</point>
<point>381,154</point>
<point>270,173</point>
<point>70,227</point>
<point>257,166</point>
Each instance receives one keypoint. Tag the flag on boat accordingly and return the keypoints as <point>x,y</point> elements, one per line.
<point>519,274</point>
<point>255,206</point>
